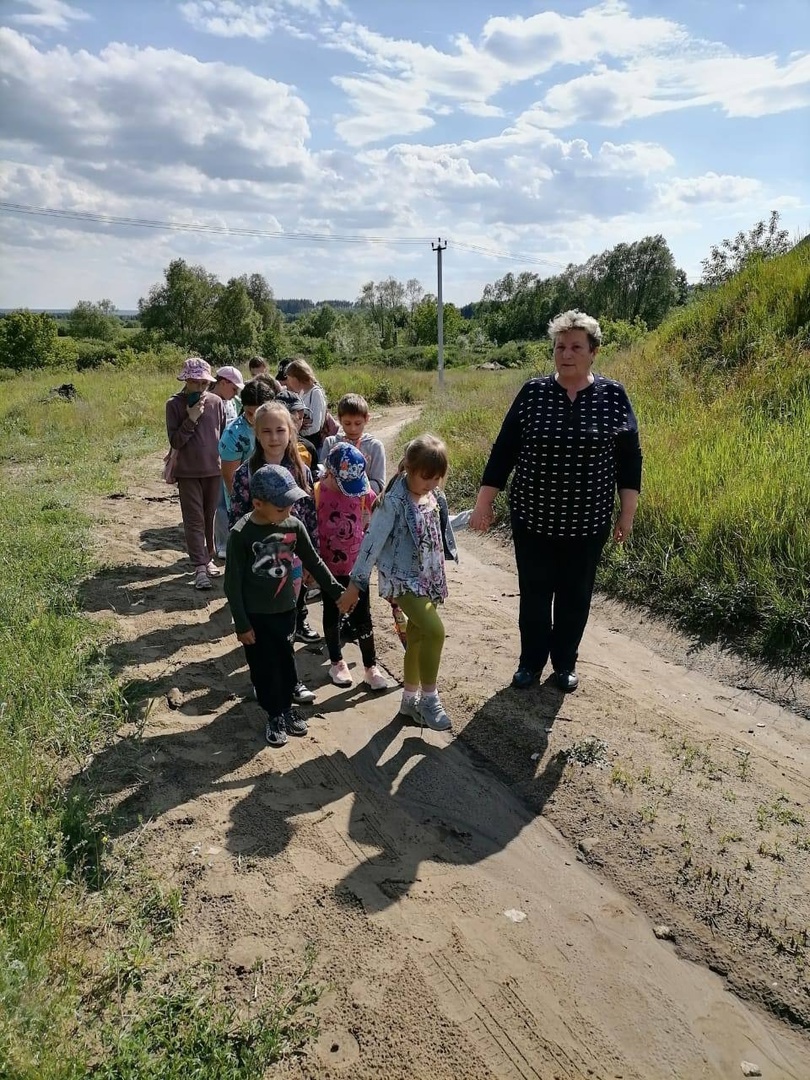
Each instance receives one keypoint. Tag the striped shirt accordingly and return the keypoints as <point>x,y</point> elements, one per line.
<point>569,457</point>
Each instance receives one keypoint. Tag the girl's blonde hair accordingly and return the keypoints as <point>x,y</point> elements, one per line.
<point>292,458</point>
<point>425,455</point>
<point>301,370</point>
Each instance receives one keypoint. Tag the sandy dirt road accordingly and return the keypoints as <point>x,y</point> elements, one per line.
<point>482,903</point>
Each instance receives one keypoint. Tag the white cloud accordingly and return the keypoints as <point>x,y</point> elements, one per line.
<point>708,189</point>
<point>637,67</point>
<point>229,18</point>
<point>149,108</point>
<point>49,14</point>
<point>740,86</point>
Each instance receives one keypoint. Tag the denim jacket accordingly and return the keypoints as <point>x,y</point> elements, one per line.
<point>391,542</point>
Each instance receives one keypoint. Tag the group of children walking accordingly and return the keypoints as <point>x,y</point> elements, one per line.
<point>315,509</point>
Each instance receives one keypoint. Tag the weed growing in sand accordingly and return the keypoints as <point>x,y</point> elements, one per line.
<point>649,813</point>
<point>587,751</point>
<point>622,778</point>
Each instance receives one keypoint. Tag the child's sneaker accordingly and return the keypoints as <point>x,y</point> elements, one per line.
<point>432,714</point>
<point>302,695</point>
<point>374,678</point>
<point>213,570</point>
<point>295,723</point>
<point>275,731</point>
<point>410,708</point>
<point>201,578</point>
<point>340,675</point>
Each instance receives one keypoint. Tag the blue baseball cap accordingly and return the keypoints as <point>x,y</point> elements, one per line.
<point>348,466</point>
<point>275,485</point>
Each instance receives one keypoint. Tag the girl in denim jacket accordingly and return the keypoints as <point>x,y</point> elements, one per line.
<point>408,540</point>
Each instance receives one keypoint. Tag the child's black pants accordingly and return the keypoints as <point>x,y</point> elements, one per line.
<point>272,660</point>
<point>359,620</point>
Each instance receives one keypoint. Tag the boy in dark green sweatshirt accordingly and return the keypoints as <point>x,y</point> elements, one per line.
<point>262,547</point>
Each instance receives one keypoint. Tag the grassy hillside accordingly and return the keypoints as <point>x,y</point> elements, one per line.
<point>722,392</point>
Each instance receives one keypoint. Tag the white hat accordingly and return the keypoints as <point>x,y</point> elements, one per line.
<point>232,374</point>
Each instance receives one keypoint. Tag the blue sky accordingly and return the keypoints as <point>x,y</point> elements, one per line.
<point>529,139</point>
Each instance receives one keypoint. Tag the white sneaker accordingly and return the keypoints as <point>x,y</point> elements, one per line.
<point>432,714</point>
<point>201,579</point>
<point>410,709</point>
<point>340,675</point>
<point>374,678</point>
<point>213,570</point>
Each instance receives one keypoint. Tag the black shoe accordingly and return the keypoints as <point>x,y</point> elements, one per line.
<point>305,633</point>
<point>566,680</point>
<point>295,723</point>
<point>275,731</point>
<point>524,678</point>
<point>302,695</point>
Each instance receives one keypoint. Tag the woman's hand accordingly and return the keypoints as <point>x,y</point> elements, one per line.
<point>482,516</point>
<point>348,601</point>
<point>248,637</point>
<point>623,528</point>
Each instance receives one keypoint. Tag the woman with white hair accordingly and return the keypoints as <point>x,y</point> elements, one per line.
<point>572,440</point>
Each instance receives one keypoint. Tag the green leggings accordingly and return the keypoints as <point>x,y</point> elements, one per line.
<point>425,639</point>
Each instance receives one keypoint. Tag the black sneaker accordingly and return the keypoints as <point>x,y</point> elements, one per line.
<point>302,695</point>
<point>295,723</point>
<point>566,681</point>
<point>275,730</point>
<point>305,633</point>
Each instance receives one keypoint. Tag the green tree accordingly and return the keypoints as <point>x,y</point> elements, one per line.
<point>261,296</point>
<point>183,307</point>
<point>320,322</point>
<point>236,326</point>
<point>271,343</point>
<point>632,281</point>
<point>27,340</point>
<point>763,241</point>
<point>425,322</point>
<point>89,320</point>
<point>385,304</point>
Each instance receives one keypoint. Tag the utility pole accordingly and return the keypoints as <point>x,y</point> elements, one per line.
<point>439,247</point>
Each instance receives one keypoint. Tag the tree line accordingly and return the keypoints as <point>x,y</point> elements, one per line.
<point>631,287</point>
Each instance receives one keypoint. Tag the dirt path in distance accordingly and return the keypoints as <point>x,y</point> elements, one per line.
<point>483,903</point>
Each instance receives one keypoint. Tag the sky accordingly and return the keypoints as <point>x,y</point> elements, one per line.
<point>326,143</point>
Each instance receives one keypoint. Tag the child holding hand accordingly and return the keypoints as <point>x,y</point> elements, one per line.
<point>259,585</point>
<point>344,500</point>
<point>409,537</point>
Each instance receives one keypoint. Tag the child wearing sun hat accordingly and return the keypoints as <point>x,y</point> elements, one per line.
<point>344,500</point>
<point>195,419</point>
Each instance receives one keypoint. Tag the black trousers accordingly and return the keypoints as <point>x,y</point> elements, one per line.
<point>556,578</point>
<point>272,660</point>
<point>301,608</point>
<point>359,620</point>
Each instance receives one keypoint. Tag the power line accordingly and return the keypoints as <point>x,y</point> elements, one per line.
<point>196,227</point>
<point>267,234</point>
